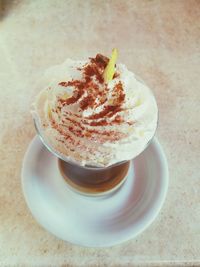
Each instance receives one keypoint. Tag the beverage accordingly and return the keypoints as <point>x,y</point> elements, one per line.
<point>94,181</point>
<point>95,112</point>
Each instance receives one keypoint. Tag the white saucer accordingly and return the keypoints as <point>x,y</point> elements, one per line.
<point>94,222</point>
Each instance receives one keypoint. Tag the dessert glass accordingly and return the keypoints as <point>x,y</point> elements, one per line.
<point>89,180</point>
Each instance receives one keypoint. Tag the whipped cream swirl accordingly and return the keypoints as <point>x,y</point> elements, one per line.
<point>91,122</point>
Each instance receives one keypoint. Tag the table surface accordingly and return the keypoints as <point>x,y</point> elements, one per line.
<point>159,41</point>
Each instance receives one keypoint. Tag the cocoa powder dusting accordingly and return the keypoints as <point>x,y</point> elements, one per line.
<point>93,71</point>
<point>87,102</point>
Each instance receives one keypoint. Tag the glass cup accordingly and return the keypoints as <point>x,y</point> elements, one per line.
<point>89,180</point>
